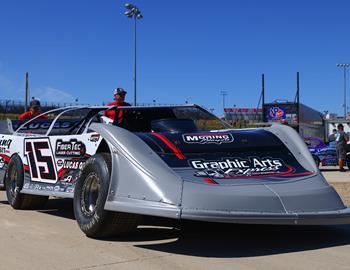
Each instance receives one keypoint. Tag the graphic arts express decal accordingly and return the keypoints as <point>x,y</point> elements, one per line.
<point>254,167</point>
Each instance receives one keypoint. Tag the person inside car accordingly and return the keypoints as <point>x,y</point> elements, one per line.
<point>34,110</point>
<point>119,100</point>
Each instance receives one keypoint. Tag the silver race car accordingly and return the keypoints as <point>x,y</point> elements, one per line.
<point>178,162</point>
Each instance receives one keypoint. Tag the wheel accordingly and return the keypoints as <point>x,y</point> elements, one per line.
<point>13,184</point>
<point>348,162</point>
<point>90,195</point>
<point>317,161</point>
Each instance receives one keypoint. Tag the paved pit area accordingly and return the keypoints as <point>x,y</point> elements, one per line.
<point>50,239</point>
<point>340,181</point>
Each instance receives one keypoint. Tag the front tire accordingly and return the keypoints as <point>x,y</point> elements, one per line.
<point>90,195</point>
<point>14,183</point>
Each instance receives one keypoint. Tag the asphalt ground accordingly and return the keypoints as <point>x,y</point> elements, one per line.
<point>50,239</point>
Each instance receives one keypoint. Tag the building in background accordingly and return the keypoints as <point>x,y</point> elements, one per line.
<point>306,121</point>
<point>331,124</point>
<point>243,117</point>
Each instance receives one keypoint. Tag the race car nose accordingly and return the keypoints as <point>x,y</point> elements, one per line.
<point>274,203</point>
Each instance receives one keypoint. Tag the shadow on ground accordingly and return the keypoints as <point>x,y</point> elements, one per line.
<point>4,202</point>
<point>219,240</point>
<point>335,169</point>
<point>59,207</point>
<point>227,241</point>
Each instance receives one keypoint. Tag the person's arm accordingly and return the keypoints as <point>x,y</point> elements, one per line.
<point>23,116</point>
<point>346,136</point>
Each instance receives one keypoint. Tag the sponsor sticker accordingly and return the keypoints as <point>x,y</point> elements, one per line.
<point>45,125</point>
<point>236,167</point>
<point>2,163</point>
<point>276,113</point>
<point>94,138</point>
<point>216,138</point>
<point>73,164</point>
<point>5,145</point>
<point>59,162</point>
<point>72,148</point>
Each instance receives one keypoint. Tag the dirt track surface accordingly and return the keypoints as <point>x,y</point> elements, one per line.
<point>50,239</point>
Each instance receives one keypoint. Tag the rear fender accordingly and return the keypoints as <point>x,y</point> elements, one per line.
<point>292,140</point>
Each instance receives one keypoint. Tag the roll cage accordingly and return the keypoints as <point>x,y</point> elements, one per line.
<point>135,118</point>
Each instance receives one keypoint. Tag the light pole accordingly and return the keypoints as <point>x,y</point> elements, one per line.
<point>134,13</point>
<point>344,66</point>
<point>224,94</point>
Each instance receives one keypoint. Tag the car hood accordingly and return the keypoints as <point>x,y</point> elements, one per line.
<point>226,157</point>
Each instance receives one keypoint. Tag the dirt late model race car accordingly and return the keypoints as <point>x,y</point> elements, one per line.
<point>177,162</point>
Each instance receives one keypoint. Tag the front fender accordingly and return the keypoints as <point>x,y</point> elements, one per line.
<point>140,179</point>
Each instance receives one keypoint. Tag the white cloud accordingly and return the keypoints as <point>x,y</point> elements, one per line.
<point>50,94</point>
<point>9,89</point>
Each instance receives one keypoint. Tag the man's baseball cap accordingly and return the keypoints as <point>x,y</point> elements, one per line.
<point>120,92</point>
<point>34,103</point>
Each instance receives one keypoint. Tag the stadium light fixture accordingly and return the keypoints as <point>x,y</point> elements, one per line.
<point>133,12</point>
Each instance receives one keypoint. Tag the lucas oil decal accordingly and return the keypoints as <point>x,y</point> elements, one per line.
<point>240,168</point>
<point>72,148</point>
<point>73,164</point>
<point>217,138</point>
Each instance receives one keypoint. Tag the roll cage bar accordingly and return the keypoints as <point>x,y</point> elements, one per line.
<point>96,109</point>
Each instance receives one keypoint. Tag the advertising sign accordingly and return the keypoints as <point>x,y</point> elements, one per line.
<point>276,113</point>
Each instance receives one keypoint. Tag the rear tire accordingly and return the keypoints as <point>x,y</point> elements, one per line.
<point>14,183</point>
<point>90,195</point>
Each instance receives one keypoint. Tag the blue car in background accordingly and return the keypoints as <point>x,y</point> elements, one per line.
<point>323,154</point>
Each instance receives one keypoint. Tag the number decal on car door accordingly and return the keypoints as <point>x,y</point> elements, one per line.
<point>40,160</point>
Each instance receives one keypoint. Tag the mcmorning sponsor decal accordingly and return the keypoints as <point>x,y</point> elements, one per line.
<point>217,138</point>
<point>237,167</point>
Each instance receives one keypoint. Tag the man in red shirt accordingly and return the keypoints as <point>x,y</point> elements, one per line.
<point>119,97</point>
<point>34,110</point>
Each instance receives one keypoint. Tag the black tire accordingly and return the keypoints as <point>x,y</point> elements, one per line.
<point>348,163</point>
<point>13,184</point>
<point>90,195</point>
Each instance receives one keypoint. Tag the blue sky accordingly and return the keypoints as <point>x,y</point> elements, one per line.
<point>188,50</point>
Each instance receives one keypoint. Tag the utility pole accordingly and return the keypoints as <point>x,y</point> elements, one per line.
<point>224,94</point>
<point>263,97</point>
<point>344,66</point>
<point>297,101</point>
<point>26,93</point>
